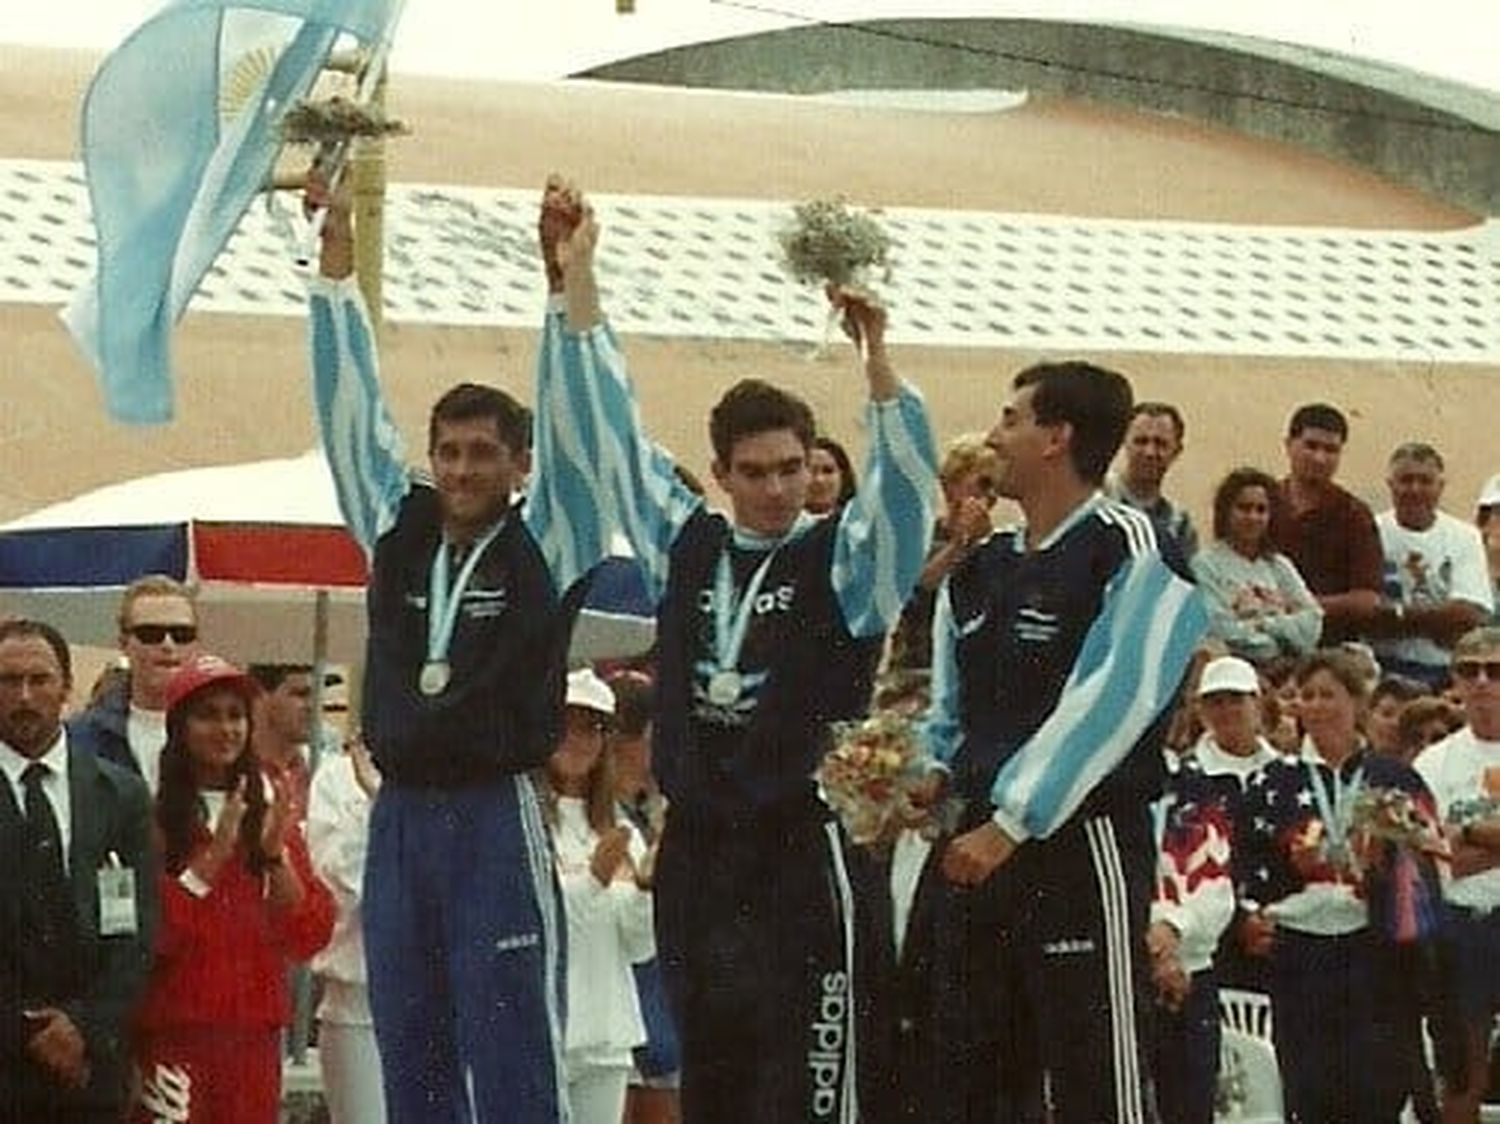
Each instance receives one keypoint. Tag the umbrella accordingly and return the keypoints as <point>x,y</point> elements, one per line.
<point>265,545</point>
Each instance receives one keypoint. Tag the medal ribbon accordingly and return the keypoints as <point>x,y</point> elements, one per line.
<point>731,618</point>
<point>443,603</point>
<point>1335,812</point>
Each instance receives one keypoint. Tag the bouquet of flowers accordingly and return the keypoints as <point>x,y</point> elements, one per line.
<point>334,120</point>
<point>1402,843</point>
<point>880,782</point>
<point>827,243</point>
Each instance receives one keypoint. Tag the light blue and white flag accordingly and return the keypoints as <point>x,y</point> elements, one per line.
<point>180,130</point>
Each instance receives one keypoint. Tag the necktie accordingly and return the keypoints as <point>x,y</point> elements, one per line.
<point>49,937</point>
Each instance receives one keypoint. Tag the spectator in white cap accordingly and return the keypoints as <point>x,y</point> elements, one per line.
<point>604,869</point>
<point>1488,518</point>
<point>1229,705</point>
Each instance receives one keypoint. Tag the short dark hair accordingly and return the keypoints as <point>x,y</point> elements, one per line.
<point>272,675</point>
<point>469,401</point>
<point>1232,485</point>
<point>847,479</point>
<point>1094,400</point>
<point>1397,687</point>
<point>635,702</point>
<point>1162,410</point>
<point>1318,415</point>
<point>20,628</point>
<point>754,406</point>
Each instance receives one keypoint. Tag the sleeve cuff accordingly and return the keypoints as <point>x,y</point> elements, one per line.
<point>193,884</point>
<point>333,288</point>
<point>1011,825</point>
<point>1173,914</point>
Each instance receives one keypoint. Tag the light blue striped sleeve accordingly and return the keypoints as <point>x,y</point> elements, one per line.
<point>566,509</point>
<point>940,728</point>
<point>360,441</point>
<point>608,475</point>
<point>886,528</point>
<point>1126,674</point>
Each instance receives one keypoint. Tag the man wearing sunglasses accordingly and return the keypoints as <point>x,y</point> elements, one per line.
<point>1463,771</point>
<point>127,722</point>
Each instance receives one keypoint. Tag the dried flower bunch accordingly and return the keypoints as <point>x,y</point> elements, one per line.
<point>1393,815</point>
<point>879,781</point>
<point>827,243</point>
<point>334,120</point>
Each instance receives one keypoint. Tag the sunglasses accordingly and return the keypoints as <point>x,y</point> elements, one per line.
<point>1469,670</point>
<point>157,633</point>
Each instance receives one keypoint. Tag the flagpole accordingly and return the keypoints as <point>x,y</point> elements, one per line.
<point>369,171</point>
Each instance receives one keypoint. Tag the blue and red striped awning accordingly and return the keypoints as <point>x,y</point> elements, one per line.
<point>281,554</point>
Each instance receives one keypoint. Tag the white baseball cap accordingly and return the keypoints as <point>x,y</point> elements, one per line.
<point>1228,675</point>
<point>1489,495</point>
<point>587,690</point>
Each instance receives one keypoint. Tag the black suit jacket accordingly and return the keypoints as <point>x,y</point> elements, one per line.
<point>111,813</point>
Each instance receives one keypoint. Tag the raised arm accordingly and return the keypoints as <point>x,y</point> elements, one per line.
<point>569,515</point>
<point>588,417</point>
<point>360,441</point>
<point>886,528</point>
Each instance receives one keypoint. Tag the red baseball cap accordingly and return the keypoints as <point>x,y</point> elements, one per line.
<point>207,670</point>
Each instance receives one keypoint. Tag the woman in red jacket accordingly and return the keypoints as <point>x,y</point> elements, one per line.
<point>239,904</point>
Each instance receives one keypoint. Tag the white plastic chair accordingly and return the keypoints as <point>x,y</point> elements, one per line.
<point>1249,1078</point>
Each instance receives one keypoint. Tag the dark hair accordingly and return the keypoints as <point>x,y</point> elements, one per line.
<point>847,481</point>
<point>635,702</point>
<point>469,401</point>
<point>1419,713</point>
<point>20,628</point>
<point>1229,489</point>
<point>1319,415</point>
<point>1162,410</point>
<point>179,812</point>
<point>1094,401</point>
<point>753,406</point>
<point>272,675</point>
<point>1397,687</point>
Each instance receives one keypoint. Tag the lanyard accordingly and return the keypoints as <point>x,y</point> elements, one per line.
<point>1336,812</point>
<point>443,603</point>
<point>732,618</point>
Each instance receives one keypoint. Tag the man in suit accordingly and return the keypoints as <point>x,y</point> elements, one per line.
<point>77,897</point>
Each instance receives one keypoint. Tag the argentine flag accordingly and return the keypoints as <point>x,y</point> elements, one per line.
<point>180,130</point>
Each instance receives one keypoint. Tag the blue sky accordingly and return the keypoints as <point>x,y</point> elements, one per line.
<point>525,40</point>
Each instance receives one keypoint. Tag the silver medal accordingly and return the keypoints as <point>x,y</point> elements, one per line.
<point>434,678</point>
<point>725,687</point>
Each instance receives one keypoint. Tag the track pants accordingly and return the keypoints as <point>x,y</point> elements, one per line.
<point>756,925</point>
<point>1040,982</point>
<point>465,956</point>
<point>1185,1054</point>
<point>1336,1025</point>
